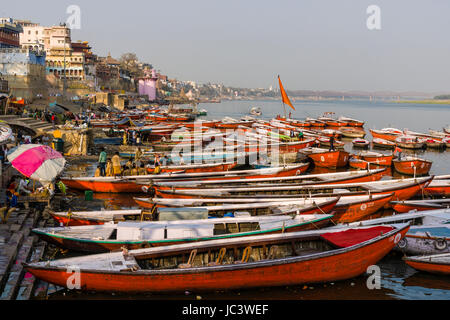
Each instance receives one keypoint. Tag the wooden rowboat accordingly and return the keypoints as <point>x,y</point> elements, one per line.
<point>360,143</point>
<point>327,159</point>
<point>412,166</point>
<point>437,263</point>
<point>325,142</point>
<point>351,122</point>
<point>134,184</point>
<point>352,133</point>
<point>419,205</point>
<point>403,189</point>
<point>135,235</point>
<point>358,164</point>
<point>347,209</point>
<point>410,142</point>
<point>236,263</point>
<point>426,239</point>
<point>382,143</point>
<point>309,179</point>
<point>375,158</point>
<point>386,134</point>
<point>439,188</point>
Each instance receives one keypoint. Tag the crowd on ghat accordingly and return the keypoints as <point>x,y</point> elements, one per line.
<point>111,167</point>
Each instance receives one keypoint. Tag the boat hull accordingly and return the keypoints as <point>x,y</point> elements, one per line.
<point>330,266</point>
<point>438,268</point>
<point>108,246</point>
<point>104,186</point>
<point>407,167</point>
<point>384,135</point>
<point>358,211</point>
<point>332,160</point>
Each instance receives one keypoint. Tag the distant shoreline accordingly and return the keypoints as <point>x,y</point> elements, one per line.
<point>430,101</point>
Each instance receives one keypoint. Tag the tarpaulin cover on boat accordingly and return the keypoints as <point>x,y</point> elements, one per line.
<point>352,237</point>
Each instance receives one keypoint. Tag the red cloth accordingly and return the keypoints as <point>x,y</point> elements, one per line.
<point>351,237</point>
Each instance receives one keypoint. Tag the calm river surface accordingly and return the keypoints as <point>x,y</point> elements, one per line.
<point>398,281</point>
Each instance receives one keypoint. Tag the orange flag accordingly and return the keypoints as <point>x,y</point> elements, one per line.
<point>284,96</point>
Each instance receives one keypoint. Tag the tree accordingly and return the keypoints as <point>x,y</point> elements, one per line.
<point>129,62</point>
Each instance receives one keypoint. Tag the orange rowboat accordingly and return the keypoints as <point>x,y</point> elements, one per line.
<point>236,263</point>
<point>412,166</point>
<point>438,263</point>
<point>439,188</point>
<point>382,143</point>
<point>403,189</point>
<point>347,209</point>
<point>358,164</point>
<point>310,179</point>
<point>327,159</point>
<point>356,211</point>
<point>106,185</point>
<point>232,125</point>
<point>136,184</point>
<point>385,135</point>
<point>419,205</point>
<point>376,158</point>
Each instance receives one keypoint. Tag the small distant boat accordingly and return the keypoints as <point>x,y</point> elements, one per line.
<point>447,130</point>
<point>352,133</point>
<point>437,263</point>
<point>315,123</point>
<point>389,134</point>
<point>410,142</point>
<point>412,165</point>
<point>360,143</point>
<point>434,143</point>
<point>330,133</point>
<point>256,111</point>
<point>351,122</point>
<point>382,143</point>
<point>325,142</point>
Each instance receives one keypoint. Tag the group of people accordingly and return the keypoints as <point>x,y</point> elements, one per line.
<point>132,138</point>
<point>112,167</point>
<point>134,166</point>
<point>299,135</point>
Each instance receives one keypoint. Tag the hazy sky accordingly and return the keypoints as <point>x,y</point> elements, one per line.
<point>312,44</point>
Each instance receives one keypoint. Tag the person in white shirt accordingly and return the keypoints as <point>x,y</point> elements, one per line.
<point>23,187</point>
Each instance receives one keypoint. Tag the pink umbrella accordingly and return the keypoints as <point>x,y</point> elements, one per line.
<point>37,161</point>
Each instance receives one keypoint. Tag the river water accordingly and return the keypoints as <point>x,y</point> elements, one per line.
<point>398,281</point>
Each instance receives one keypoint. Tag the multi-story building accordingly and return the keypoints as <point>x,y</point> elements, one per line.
<point>108,68</point>
<point>32,37</point>
<point>24,70</point>
<point>90,59</point>
<point>62,60</point>
<point>9,33</point>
